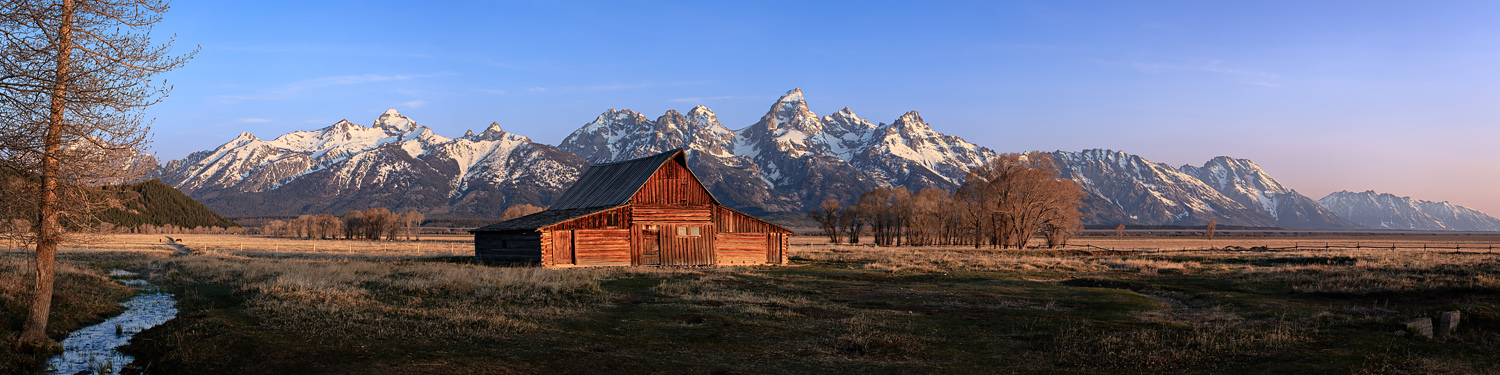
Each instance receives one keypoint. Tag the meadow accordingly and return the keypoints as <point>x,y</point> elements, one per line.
<point>1134,304</point>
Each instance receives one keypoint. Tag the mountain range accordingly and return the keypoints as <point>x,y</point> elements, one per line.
<point>1386,211</point>
<point>788,160</point>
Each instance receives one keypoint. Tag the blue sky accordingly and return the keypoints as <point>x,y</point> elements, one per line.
<point>1398,97</point>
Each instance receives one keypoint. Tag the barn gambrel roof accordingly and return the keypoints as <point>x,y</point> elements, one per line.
<point>599,188</point>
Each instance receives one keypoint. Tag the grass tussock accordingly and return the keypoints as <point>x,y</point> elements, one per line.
<point>1385,274</point>
<point>1196,346</point>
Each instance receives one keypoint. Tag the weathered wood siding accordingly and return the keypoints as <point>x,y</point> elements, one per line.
<point>672,185</point>
<point>655,227</point>
<point>602,247</point>
<point>523,247</point>
<point>680,250</point>
<point>645,244</point>
<point>776,252</point>
<point>741,248</point>
<point>731,221</point>
<point>597,220</point>
<point>672,214</point>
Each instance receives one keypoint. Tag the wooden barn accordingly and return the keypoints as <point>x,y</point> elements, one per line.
<point>647,211</point>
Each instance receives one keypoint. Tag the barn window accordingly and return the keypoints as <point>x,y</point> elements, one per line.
<point>612,219</point>
<point>689,231</point>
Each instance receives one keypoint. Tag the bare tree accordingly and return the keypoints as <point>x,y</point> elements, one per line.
<point>75,77</point>
<point>851,222</point>
<point>827,217</point>
<point>411,220</point>
<point>519,210</point>
<point>1013,197</point>
<point>375,222</point>
<point>353,221</point>
<point>1120,231</point>
<point>1210,231</point>
<point>327,226</point>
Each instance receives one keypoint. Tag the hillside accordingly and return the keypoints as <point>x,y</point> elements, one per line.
<point>154,202</point>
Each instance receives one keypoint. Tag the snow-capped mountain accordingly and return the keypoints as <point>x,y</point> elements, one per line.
<point>1127,189</point>
<point>1383,210</point>
<point>1122,188</point>
<point>787,161</point>
<point>393,163</point>
<point>1245,182</point>
<point>791,158</point>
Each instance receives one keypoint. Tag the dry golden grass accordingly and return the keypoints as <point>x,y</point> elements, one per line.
<point>1360,271</point>
<point>273,247</point>
<point>389,299</point>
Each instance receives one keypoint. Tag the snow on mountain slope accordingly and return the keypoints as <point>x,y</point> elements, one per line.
<point>1128,189</point>
<point>798,158</point>
<point>351,163</point>
<point>1387,211</point>
<point>1245,182</point>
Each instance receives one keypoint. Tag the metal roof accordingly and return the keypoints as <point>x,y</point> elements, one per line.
<point>538,220</point>
<point>610,185</point>
<point>601,187</point>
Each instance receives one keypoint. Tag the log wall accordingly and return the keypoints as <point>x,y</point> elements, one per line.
<point>508,247</point>
<point>602,247</point>
<point>672,214</point>
<point>741,248</point>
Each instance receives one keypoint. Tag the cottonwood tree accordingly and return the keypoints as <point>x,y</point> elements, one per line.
<point>411,220</point>
<point>1014,197</point>
<point>353,222</point>
<point>827,217</point>
<point>75,77</point>
<point>519,210</point>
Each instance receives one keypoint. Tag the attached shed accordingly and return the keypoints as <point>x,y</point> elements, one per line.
<point>647,211</point>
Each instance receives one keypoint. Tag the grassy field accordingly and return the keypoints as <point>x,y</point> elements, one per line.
<point>1172,304</point>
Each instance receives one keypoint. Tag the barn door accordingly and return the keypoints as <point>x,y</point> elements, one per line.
<point>688,245</point>
<point>650,246</point>
<point>562,246</point>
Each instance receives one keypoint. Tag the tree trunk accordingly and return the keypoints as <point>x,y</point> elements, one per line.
<point>48,233</point>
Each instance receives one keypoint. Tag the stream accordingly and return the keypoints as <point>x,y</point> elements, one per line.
<point>93,349</point>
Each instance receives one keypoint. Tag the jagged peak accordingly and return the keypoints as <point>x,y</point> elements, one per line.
<point>342,126</point>
<point>794,96</point>
<point>392,120</point>
<point>245,136</point>
<point>911,118</point>
<point>492,132</point>
<point>700,109</point>
<point>613,114</point>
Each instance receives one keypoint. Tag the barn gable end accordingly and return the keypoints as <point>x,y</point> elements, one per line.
<point>647,211</point>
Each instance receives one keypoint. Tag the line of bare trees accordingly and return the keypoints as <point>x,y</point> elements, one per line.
<point>373,224</point>
<point>1006,202</point>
